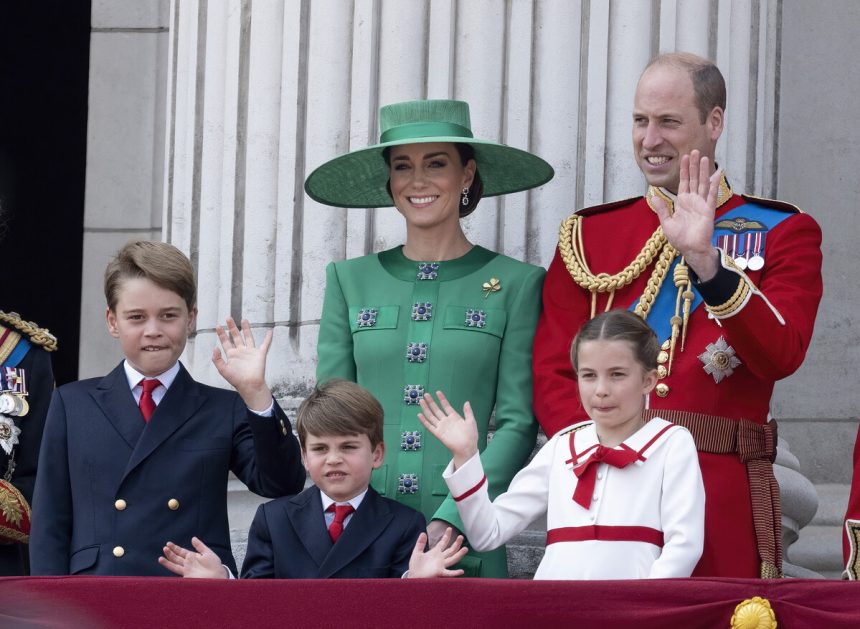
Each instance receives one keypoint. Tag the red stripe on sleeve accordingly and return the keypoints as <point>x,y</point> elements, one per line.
<point>471,491</point>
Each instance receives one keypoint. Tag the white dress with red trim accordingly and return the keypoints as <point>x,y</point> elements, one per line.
<point>643,520</point>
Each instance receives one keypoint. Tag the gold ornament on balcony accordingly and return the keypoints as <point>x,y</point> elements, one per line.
<point>754,613</point>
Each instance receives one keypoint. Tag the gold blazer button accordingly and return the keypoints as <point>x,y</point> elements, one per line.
<point>120,505</point>
<point>118,551</point>
<point>173,504</point>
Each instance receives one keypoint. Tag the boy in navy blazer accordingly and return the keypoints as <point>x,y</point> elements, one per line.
<point>142,455</point>
<point>340,527</point>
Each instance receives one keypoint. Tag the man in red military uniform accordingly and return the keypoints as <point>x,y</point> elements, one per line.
<point>730,283</point>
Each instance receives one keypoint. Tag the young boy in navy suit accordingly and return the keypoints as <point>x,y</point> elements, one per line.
<point>340,527</point>
<point>142,455</point>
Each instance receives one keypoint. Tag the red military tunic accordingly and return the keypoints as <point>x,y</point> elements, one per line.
<point>766,317</point>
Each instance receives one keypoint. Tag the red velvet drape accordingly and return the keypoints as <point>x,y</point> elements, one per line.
<point>97,602</point>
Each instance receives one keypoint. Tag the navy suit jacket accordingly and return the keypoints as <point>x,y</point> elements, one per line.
<point>112,489</point>
<point>289,540</point>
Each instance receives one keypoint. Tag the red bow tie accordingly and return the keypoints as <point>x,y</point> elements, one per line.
<point>587,472</point>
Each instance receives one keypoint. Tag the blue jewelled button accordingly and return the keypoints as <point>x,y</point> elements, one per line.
<point>428,270</point>
<point>366,318</point>
<point>475,318</point>
<point>407,483</point>
<point>416,352</point>
<point>410,440</point>
<point>412,393</point>
<point>422,311</point>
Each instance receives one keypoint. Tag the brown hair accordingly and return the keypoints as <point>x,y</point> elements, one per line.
<point>161,263</point>
<point>620,325</point>
<point>340,407</point>
<point>476,190</point>
<point>709,86</point>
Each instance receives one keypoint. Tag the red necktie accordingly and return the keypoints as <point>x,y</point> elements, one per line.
<point>147,404</point>
<point>587,472</point>
<point>340,513</point>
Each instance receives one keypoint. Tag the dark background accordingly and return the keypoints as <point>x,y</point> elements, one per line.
<point>44,66</point>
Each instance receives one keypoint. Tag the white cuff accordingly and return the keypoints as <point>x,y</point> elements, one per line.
<point>466,479</point>
<point>269,412</point>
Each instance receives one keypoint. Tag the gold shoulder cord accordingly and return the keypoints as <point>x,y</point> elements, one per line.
<point>572,251</point>
<point>39,336</point>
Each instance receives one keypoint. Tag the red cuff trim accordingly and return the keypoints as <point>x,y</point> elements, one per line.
<point>471,491</point>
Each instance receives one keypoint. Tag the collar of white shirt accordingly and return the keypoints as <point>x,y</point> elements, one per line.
<point>327,502</point>
<point>134,377</point>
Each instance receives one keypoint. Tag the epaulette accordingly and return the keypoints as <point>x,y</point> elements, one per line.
<point>604,207</point>
<point>575,427</point>
<point>774,204</point>
<point>37,335</point>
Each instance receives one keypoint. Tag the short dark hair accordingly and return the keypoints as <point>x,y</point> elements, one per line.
<point>476,190</point>
<point>160,262</point>
<point>340,407</point>
<point>709,86</point>
<point>619,325</point>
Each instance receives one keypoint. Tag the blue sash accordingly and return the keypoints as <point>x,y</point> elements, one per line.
<point>17,354</point>
<point>663,308</point>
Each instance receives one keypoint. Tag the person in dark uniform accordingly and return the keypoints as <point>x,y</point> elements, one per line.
<point>26,383</point>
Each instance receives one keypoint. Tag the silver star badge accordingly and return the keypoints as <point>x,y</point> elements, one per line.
<point>719,359</point>
<point>8,434</point>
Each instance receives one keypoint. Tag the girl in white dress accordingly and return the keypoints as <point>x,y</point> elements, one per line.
<point>624,498</point>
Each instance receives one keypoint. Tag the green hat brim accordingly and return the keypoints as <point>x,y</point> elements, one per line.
<point>358,179</point>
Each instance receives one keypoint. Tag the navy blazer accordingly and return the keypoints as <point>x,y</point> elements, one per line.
<point>289,540</point>
<point>112,489</point>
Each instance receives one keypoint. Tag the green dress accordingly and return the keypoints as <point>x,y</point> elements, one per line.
<point>400,327</point>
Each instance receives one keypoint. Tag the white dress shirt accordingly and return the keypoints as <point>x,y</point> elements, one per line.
<point>134,377</point>
<point>329,515</point>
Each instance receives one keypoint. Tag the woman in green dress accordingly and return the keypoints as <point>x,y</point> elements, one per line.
<point>437,313</point>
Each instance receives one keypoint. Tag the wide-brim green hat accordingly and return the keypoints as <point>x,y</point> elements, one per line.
<point>360,178</point>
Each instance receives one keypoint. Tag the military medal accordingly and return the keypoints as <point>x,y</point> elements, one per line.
<point>719,360</point>
<point>740,258</point>
<point>13,391</point>
<point>13,405</point>
<point>757,260</point>
<point>8,434</point>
